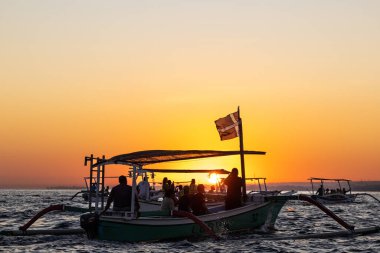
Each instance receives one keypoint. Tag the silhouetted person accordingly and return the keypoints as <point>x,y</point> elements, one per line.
<point>168,203</point>
<point>198,201</point>
<point>144,189</point>
<point>193,187</point>
<point>320,190</point>
<point>185,200</point>
<point>234,184</point>
<point>165,185</point>
<point>121,196</point>
<point>93,187</point>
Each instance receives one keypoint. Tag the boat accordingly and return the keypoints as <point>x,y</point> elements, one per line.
<point>90,191</point>
<point>158,225</point>
<point>332,195</point>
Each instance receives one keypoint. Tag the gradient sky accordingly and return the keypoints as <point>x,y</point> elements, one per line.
<point>112,77</point>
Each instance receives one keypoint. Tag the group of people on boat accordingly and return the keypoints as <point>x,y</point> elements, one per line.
<point>321,191</point>
<point>190,198</point>
<point>188,201</point>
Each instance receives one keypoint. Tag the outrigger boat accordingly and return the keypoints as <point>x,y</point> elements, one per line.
<point>158,225</point>
<point>134,226</point>
<point>258,195</point>
<point>331,195</point>
<point>90,191</point>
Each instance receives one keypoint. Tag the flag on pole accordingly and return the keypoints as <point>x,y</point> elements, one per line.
<point>228,127</point>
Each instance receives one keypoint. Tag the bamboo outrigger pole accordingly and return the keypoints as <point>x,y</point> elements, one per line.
<point>242,156</point>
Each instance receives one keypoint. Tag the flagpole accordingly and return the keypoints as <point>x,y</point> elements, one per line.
<point>242,156</point>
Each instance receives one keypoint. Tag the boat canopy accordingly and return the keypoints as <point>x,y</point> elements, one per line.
<point>215,171</point>
<point>256,178</point>
<point>329,179</point>
<point>146,157</point>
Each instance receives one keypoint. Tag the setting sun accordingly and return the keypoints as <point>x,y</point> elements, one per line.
<point>213,178</point>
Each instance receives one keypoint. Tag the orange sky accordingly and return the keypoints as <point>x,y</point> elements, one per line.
<point>94,77</point>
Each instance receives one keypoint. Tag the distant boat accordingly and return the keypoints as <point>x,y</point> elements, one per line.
<point>333,195</point>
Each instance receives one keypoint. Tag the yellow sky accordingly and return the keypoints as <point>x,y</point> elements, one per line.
<point>112,77</point>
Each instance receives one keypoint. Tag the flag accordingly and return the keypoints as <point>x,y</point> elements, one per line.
<point>228,127</point>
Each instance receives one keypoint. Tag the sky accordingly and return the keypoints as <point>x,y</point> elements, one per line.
<point>113,77</point>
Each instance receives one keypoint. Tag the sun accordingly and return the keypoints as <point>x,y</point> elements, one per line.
<point>213,178</point>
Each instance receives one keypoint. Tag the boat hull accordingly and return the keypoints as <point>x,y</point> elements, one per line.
<point>335,198</point>
<point>154,228</point>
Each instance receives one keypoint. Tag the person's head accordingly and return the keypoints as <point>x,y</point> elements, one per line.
<point>235,172</point>
<point>164,180</point>
<point>122,179</point>
<point>145,178</point>
<point>169,182</point>
<point>186,190</point>
<point>201,188</point>
<point>193,181</point>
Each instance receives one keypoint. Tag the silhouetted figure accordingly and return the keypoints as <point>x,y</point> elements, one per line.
<point>165,185</point>
<point>320,190</point>
<point>193,187</point>
<point>184,202</point>
<point>198,201</point>
<point>93,187</point>
<point>121,196</point>
<point>234,184</point>
<point>168,203</point>
<point>144,189</point>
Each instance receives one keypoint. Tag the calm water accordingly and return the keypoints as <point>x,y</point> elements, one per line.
<point>18,206</point>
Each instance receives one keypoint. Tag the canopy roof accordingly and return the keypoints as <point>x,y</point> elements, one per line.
<point>146,157</point>
<point>256,178</point>
<point>216,171</point>
<point>329,179</point>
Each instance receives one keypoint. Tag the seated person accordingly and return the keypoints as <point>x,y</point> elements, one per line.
<point>198,201</point>
<point>185,200</point>
<point>121,196</point>
<point>168,203</point>
<point>320,190</point>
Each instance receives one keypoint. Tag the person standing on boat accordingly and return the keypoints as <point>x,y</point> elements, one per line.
<point>193,188</point>
<point>121,196</point>
<point>198,201</point>
<point>143,187</point>
<point>234,184</point>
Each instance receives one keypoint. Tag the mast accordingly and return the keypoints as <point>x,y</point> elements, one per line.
<point>242,156</point>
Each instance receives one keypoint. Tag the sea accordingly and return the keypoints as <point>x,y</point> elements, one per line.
<point>18,206</point>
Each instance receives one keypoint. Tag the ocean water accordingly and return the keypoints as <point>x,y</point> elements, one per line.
<point>296,218</point>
